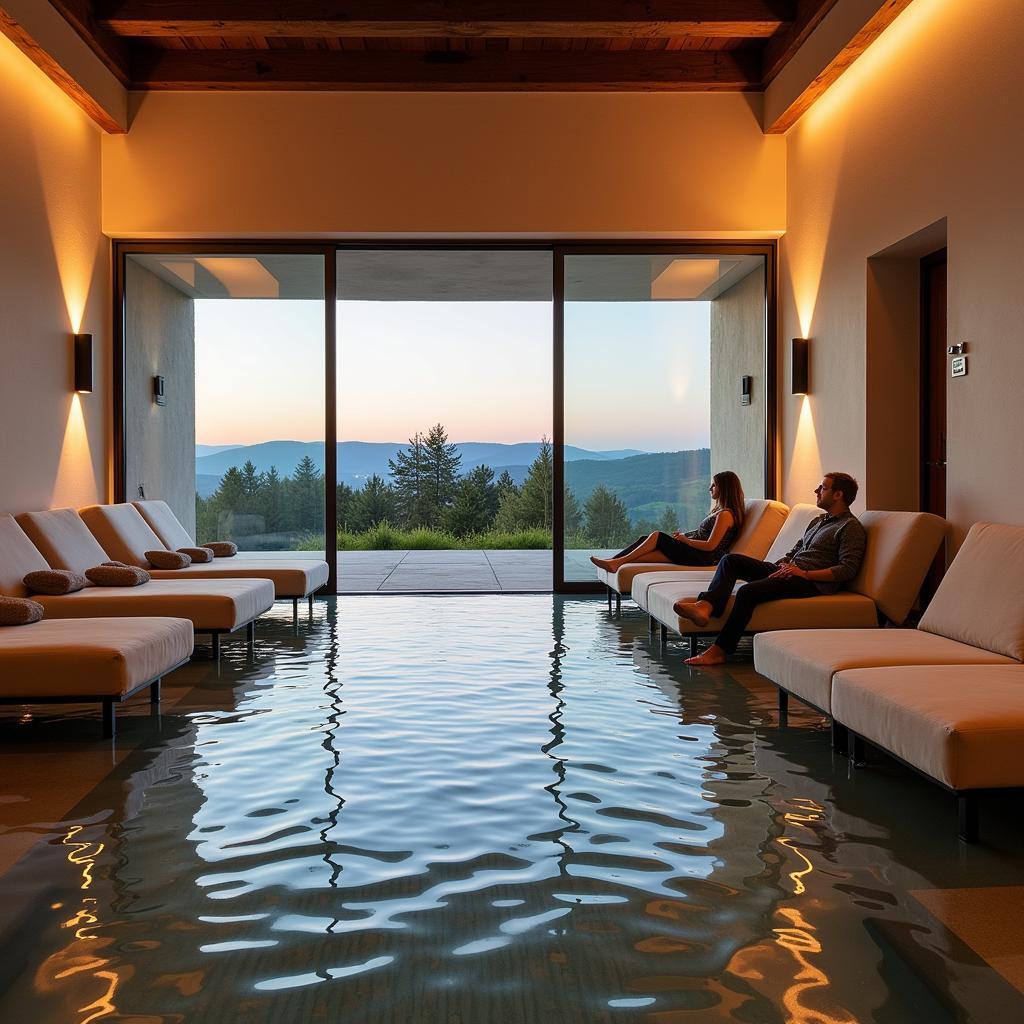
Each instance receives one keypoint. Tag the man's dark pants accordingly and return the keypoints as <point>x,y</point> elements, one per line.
<point>760,589</point>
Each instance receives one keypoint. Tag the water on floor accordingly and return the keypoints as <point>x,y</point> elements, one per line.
<point>483,809</point>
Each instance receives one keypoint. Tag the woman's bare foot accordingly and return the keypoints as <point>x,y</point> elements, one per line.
<point>697,612</point>
<point>714,655</point>
<point>602,563</point>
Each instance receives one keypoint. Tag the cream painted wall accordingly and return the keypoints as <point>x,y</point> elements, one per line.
<point>360,164</point>
<point>54,280</point>
<point>926,125</point>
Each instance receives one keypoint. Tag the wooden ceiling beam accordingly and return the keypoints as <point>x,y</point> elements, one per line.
<point>780,49</point>
<point>438,18</point>
<point>105,44</point>
<point>584,70</point>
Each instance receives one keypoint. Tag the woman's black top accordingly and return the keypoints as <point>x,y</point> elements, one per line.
<point>704,531</point>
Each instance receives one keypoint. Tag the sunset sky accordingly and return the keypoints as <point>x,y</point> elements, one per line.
<point>637,374</point>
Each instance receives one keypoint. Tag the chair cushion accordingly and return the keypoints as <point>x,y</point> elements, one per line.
<point>900,549</point>
<point>207,604</point>
<point>694,580</point>
<point>63,539</point>
<point>844,610</point>
<point>19,611</point>
<point>122,532</point>
<point>53,581</point>
<point>623,580</point>
<point>799,518</point>
<point>18,557</point>
<point>117,575</point>
<point>90,657</point>
<point>761,524</point>
<point>923,715</point>
<point>981,598</point>
<point>164,523</point>
<point>161,559</point>
<point>296,577</point>
<point>805,661</point>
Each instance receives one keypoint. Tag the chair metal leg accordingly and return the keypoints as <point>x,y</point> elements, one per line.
<point>692,644</point>
<point>652,624</point>
<point>250,634</point>
<point>154,692</point>
<point>618,603</point>
<point>840,737</point>
<point>310,605</point>
<point>295,611</point>
<point>858,750</point>
<point>664,633</point>
<point>967,816</point>
<point>608,591</point>
<point>215,640</point>
<point>108,720</point>
<point>783,706</point>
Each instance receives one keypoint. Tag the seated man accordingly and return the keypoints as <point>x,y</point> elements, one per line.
<point>824,559</point>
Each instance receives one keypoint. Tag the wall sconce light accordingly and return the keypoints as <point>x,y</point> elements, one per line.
<point>800,366</point>
<point>746,384</point>
<point>83,362</point>
<point>159,395</point>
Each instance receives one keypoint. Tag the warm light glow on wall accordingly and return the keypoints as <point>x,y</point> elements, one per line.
<point>59,131</point>
<point>877,64</point>
<point>75,483</point>
<point>805,461</point>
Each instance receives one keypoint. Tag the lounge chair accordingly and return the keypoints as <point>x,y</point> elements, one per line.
<point>762,521</point>
<point>86,661</point>
<point>947,698</point>
<point>60,540</point>
<point>900,550</point>
<point>127,531</point>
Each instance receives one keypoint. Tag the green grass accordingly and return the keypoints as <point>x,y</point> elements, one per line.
<point>385,537</point>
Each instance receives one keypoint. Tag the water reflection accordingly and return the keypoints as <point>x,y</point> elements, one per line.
<point>513,809</point>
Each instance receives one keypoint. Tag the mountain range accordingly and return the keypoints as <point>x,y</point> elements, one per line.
<point>358,460</point>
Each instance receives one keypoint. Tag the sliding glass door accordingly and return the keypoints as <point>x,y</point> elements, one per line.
<point>664,376</point>
<point>223,403</point>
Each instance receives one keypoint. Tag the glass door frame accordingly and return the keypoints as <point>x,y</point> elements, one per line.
<point>767,249</point>
<point>122,248</point>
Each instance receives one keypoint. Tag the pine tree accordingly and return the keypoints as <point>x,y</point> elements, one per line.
<point>606,518</point>
<point>307,487</point>
<point>374,504</point>
<point>409,482</point>
<point>669,521</point>
<point>475,504</point>
<point>270,500</point>
<point>443,461</point>
<point>505,483</point>
<point>251,481</point>
<point>572,514</point>
<point>535,498</point>
<point>343,507</point>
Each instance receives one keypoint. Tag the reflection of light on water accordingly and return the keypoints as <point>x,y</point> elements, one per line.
<point>73,960</point>
<point>804,820</point>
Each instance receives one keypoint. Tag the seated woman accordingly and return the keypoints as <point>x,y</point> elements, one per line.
<point>702,546</point>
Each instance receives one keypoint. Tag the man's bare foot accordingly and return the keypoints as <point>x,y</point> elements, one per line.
<point>602,563</point>
<point>714,655</point>
<point>697,612</point>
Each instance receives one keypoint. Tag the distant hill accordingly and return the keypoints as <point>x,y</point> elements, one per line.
<point>212,449</point>
<point>649,485</point>
<point>358,460</point>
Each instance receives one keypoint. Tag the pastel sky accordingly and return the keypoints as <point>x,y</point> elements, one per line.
<point>637,373</point>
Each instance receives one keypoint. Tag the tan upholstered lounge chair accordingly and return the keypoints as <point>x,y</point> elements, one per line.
<point>60,540</point>
<point>761,524</point>
<point>127,531</point>
<point>900,549</point>
<point>86,661</point>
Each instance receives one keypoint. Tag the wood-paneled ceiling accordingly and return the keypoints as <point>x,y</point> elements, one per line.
<point>494,45</point>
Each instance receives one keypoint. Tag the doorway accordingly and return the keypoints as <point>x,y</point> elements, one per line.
<point>934,361</point>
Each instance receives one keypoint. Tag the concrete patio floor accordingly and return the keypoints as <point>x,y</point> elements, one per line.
<point>492,571</point>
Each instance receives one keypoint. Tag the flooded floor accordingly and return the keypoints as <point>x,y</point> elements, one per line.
<point>508,808</point>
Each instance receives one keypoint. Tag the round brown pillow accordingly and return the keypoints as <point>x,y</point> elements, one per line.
<point>117,575</point>
<point>53,581</point>
<point>19,611</point>
<point>197,554</point>
<point>222,548</point>
<point>168,559</point>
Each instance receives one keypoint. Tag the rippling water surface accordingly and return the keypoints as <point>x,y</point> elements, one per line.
<point>488,809</point>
